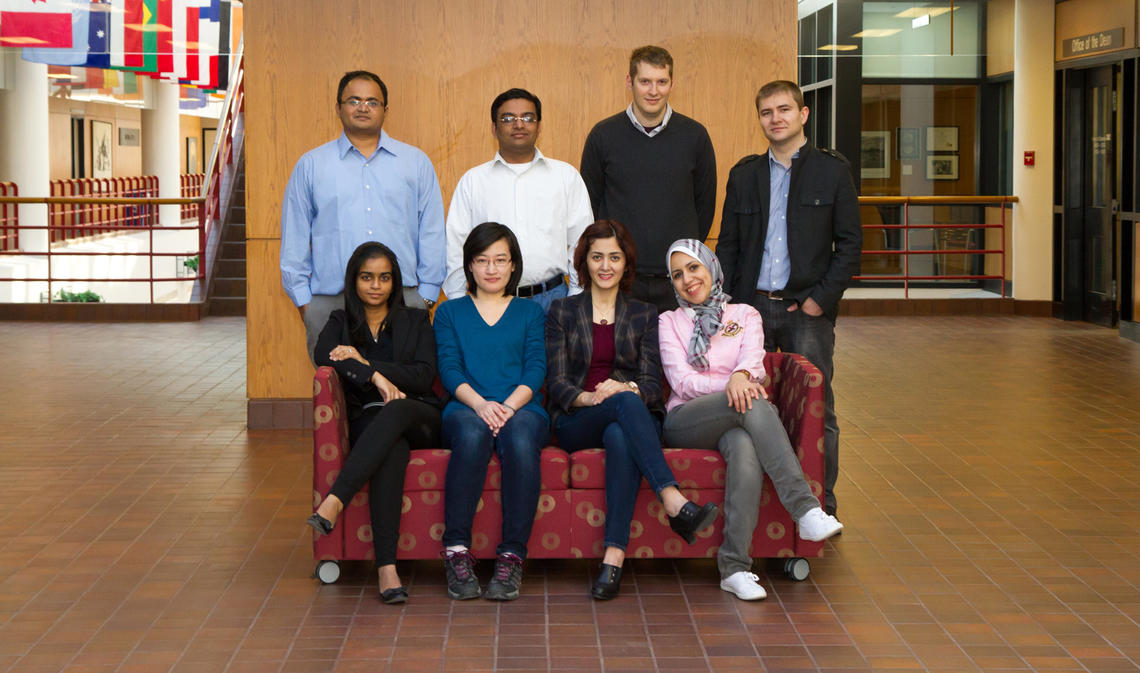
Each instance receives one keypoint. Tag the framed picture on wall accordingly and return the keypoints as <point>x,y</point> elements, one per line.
<point>192,165</point>
<point>875,155</point>
<point>941,138</point>
<point>208,138</point>
<point>942,167</point>
<point>129,137</point>
<point>100,149</point>
<point>907,145</point>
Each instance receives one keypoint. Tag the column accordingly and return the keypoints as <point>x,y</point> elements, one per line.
<point>1033,131</point>
<point>24,142</point>
<point>161,148</point>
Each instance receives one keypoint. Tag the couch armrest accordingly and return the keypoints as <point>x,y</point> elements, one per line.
<point>799,396</point>
<point>330,447</point>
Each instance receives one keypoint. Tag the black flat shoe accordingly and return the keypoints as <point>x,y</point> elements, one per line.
<point>692,519</point>
<point>608,583</point>
<point>394,595</point>
<point>320,524</point>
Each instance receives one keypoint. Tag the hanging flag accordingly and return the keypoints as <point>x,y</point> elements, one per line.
<point>209,34</point>
<point>42,23</point>
<point>126,33</point>
<point>164,57</point>
<point>222,63</point>
<point>77,53</point>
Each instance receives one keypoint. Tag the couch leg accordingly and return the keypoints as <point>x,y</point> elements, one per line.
<point>327,572</point>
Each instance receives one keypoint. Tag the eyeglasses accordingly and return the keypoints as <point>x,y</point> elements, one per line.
<point>509,119</point>
<point>370,104</point>
<point>486,262</point>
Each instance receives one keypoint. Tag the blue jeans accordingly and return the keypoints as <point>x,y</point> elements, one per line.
<point>631,437</point>
<point>814,338</point>
<point>545,299</point>
<point>519,447</point>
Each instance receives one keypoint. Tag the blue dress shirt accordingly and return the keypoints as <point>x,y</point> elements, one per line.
<point>337,198</point>
<point>775,267</point>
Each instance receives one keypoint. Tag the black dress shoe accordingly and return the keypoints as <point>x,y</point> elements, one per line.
<point>692,519</point>
<point>394,595</point>
<point>608,583</point>
<point>320,524</point>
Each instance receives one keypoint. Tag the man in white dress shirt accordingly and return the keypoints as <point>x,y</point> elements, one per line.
<point>542,200</point>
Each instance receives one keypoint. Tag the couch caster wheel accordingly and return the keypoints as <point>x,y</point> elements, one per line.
<point>797,568</point>
<point>327,572</point>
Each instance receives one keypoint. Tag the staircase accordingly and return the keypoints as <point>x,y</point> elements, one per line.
<point>227,291</point>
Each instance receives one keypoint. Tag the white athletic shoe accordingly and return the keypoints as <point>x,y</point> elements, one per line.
<point>818,525</point>
<point>744,585</point>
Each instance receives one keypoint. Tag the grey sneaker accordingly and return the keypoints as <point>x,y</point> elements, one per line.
<point>462,584</point>
<point>504,586</point>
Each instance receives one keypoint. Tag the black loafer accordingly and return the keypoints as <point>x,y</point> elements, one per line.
<point>394,595</point>
<point>692,519</point>
<point>608,583</point>
<point>320,524</point>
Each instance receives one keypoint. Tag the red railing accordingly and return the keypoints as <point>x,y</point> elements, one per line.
<point>228,146</point>
<point>190,186</point>
<point>957,243</point>
<point>76,220</point>
<point>9,218</point>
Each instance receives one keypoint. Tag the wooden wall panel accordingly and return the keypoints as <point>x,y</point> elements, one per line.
<point>444,62</point>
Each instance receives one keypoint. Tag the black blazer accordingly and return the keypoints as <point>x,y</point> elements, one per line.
<point>412,368</point>
<point>825,236</point>
<point>570,344</point>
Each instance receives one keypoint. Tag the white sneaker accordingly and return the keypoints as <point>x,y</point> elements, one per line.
<point>745,585</point>
<point>818,525</point>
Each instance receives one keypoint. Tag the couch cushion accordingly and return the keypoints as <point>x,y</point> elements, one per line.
<point>427,470</point>
<point>692,468</point>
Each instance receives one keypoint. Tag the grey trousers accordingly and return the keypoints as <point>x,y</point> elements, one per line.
<point>318,310</point>
<point>752,443</point>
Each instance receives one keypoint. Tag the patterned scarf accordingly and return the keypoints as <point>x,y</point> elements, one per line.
<point>706,316</point>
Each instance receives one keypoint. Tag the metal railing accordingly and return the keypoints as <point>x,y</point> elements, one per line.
<point>9,218</point>
<point>74,219</point>
<point>948,240</point>
<point>190,186</point>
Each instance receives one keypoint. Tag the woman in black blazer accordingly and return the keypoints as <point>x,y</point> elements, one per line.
<point>604,389</point>
<point>384,353</point>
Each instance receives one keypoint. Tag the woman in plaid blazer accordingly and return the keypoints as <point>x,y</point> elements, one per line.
<point>604,390</point>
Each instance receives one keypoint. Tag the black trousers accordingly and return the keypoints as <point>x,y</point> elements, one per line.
<point>657,290</point>
<point>382,438</point>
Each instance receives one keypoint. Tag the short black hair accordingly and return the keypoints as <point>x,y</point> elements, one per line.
<point>511,94</point>
<point>484,236</point>
<point>361,74</point>
<point>353,307</point>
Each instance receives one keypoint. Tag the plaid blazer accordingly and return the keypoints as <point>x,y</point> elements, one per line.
<point>570,344</point>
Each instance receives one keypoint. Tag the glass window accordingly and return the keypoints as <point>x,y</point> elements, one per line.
<point>923,40</point>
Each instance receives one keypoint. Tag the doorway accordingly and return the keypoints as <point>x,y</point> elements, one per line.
<point>1090,195</point>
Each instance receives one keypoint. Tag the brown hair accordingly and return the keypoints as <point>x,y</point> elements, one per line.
<point>600,230</point>
<point>653,55</point>
<point>780,86</point>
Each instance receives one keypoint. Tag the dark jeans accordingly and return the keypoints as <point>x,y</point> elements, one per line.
<point>814,338</point>
<point>381,439</point>
<point>657,290</point>
<point>519,447</point>
<point>631,437</point>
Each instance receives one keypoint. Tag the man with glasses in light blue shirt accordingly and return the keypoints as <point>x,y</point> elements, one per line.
<point>363,186</point>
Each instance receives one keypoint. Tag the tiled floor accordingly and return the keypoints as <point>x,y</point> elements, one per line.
<point>989,486</point>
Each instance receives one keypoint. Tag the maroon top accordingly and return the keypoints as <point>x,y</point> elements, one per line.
<point>602,359</point>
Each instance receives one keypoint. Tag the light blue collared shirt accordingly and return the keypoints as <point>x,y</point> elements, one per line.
<point>775,268</point>
<point>656,129</point>
<point>337,198</point>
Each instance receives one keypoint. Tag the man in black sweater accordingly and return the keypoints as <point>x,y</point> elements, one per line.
<point>790,240</point>
<point>653,170</point>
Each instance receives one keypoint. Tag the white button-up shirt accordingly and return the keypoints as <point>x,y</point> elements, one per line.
<point>545,204</point>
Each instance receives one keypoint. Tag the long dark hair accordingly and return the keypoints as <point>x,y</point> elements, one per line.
<point>484,236</point>
<point>354,308</point>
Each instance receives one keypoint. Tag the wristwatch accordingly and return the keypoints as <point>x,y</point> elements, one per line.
<point>633,386</point>
<point>428,303</point>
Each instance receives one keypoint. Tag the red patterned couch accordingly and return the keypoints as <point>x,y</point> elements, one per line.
<point>571,507</point>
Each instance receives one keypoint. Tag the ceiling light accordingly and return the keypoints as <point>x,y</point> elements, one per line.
<point>877,32</point>
<point>839,47</point>
<point>915,12</point>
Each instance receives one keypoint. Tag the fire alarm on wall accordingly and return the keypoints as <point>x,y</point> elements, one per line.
<point>1030,158</point>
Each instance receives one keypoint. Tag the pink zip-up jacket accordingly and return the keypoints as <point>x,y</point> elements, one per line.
<point>739,345</point>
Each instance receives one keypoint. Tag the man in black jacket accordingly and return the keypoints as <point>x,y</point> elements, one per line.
<point>790,240</point>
